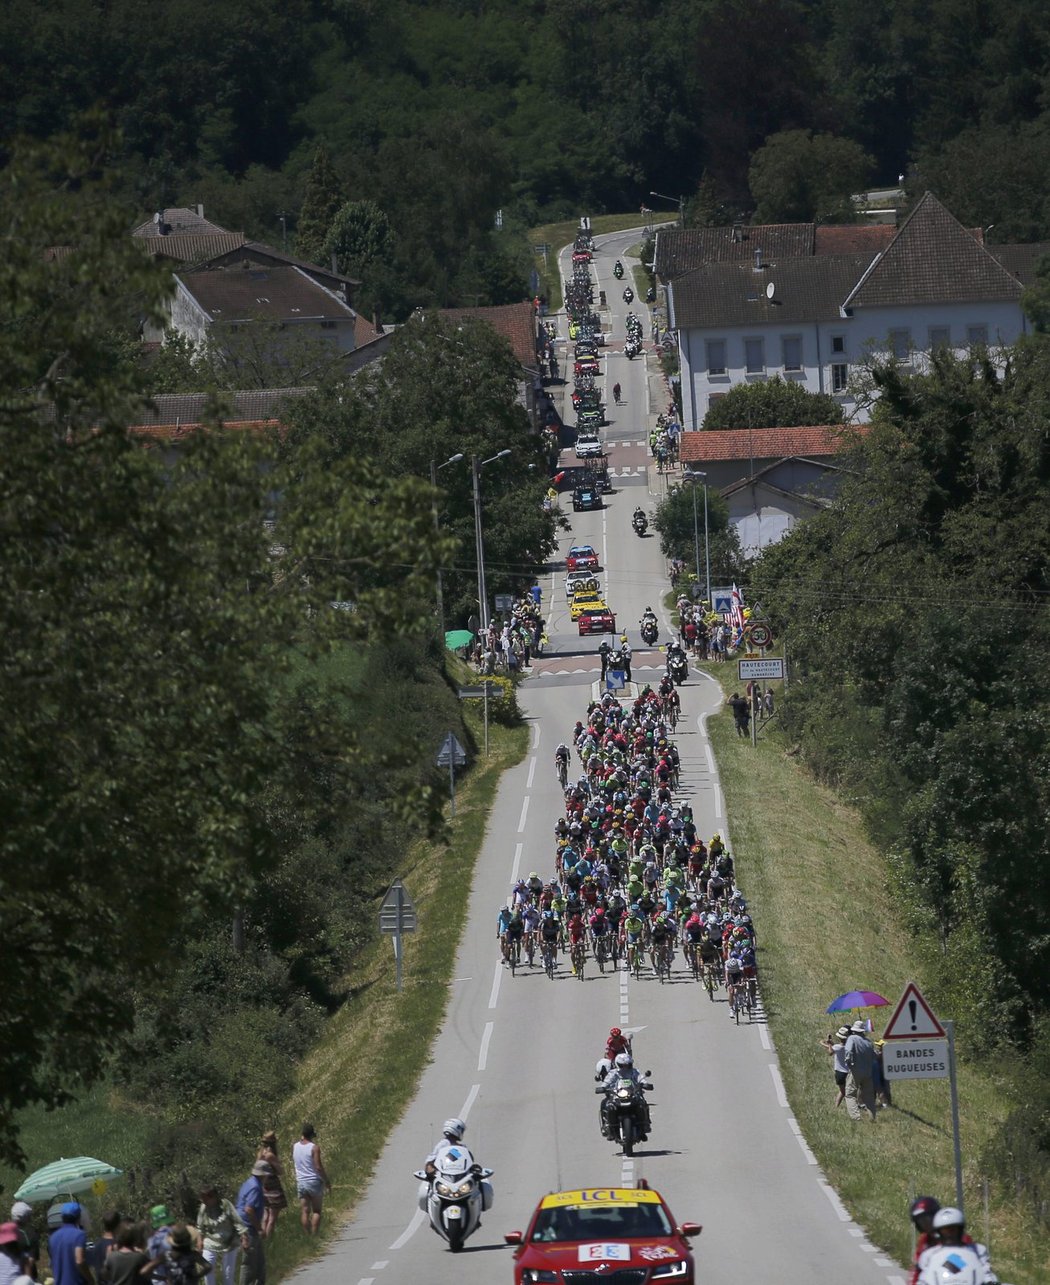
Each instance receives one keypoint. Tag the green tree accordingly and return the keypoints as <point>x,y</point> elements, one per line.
<point>773,403</point>
<point>147,625</point>
<point>681,528</point>
<point>322,200</point>
<point>1036,299</point>
<point>798,177</point>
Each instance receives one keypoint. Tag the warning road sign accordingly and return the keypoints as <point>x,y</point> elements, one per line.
<point>913,1018</point>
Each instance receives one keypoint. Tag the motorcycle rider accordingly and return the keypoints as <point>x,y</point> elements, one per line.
<point>639,519</point>
<point>452,1132</point>
<point>921,1213</point>
<point>949,1226</point>
<point>624,1069</point>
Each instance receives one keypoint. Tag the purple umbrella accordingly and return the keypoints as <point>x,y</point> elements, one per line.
<point>856,999</point>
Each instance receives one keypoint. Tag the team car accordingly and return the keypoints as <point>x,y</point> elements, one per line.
<point>581,557</point>
<point>596,621</point>
<point>585,600</point>
<point>625,1235</point>
<point>588,445</point>
<point>581,580</point>
<point>586,497</point>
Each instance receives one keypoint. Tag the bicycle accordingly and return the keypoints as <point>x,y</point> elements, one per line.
<point>530,948</point>
<point>562,768</point>
<point>549,954</point>
<point>634,958</point>
<point>733,990</point>
<point>692,954</point>
<point>709,980</point>
<point>600,952</point>
<point>577,955</point>
<point>514,953</point>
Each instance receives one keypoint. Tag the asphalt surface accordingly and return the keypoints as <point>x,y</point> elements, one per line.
<point>515,1056</point>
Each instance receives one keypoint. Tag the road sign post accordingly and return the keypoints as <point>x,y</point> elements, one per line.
<point>397,915</point>
<point>918,1047</point>
<point>453,754</point>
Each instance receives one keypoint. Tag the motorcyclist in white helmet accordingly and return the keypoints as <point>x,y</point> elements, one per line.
<point>452,1132</point>
<point>623,1068</point>
<point>954,1256</point>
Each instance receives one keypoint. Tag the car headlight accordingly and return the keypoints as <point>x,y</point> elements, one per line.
<point>538,1274</point>
<point>670,1270</point>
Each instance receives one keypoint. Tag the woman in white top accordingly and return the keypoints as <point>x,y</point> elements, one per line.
<point>310,1178</point>
<point>836,1046</point>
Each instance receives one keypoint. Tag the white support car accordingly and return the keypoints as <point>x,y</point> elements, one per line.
<point>589,446</point>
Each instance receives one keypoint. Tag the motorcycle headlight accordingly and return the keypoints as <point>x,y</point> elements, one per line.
<point>443,1189</point>
<point>670,1271</point>
<point>623,1094</point>
<point>465,1188</point>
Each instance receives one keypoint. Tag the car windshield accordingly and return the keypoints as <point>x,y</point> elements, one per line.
<point>601,1222</point>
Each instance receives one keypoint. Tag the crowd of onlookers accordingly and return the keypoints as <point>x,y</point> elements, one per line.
<point>223,1234</point>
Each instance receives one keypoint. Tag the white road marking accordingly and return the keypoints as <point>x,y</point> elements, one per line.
<point>536,727</point>
<point>895,1280</point>
<point>494,993</point>
<point>778,1084</point>
<point>483,1055</point>
<point>517,862</point>
<point>883,1262</point>
<point>763,1035</point>
<point>472,1096</point>
<point>856,1231</point>
<point>840,1209</point>
<point>532,773</point>
<point>524,814</point>
<point>405,1237</point>
<point>366,1280</point>
<point>796,1129</point>
<point>378,1267</point>
<point>710,759</point>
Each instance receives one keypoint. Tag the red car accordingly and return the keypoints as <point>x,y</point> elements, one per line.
<point>596,622</point>
<point>581,557</point>
<point>614,1234</point>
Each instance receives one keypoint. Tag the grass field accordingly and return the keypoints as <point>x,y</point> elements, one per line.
<point>827,924</point>
<point>557,235</point>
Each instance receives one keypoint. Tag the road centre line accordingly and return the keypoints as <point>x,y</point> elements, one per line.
<point>404,1238</point>
<point>494,993</point>
<point>517,862</point>
<point>532,773</point>
<point>378,1267</point>
<point>472,1096</point>
<point>524,814</point>
<point>483,1053</point>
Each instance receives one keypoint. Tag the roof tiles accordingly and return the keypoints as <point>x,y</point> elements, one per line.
<point>763,443</point>
<point>516,322</point>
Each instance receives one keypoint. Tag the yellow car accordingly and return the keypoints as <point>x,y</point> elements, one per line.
<point>585,600</point>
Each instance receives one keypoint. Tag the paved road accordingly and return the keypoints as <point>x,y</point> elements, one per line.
<point>516,1053</point>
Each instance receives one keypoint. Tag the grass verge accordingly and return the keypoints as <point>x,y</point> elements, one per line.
<point>557,235</point>
<point>827,924</point>
<point>378,1028</point>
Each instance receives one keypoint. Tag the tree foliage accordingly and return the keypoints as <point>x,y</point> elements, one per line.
<point>915,611</point>
<point>680,521</point>
<point>773,403</point>
<point>799,177</point>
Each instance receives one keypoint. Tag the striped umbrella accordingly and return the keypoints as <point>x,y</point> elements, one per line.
<point>66,1178</point>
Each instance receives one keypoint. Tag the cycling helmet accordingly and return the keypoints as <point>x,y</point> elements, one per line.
<point>922,1206</point>
<point>548,914</point>
<point>533,874</point>
<point>615,1031</point>
<point>624,1061</point>
<point>949,1216</point>
<point>454,1128</point>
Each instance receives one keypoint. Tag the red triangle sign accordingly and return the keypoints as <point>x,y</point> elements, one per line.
<point>913,1018</point>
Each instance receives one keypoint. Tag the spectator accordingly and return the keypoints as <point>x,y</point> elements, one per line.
<point>859,1056</point>
<point>22,1217</point>
<point>222,1233</point>
<point>273,1188</point>
<point>251,1205</point>
<point>882,1085</point>
<point>183,1265</point>
<point>311,1179</point>
<point>741,713</point>
<point>129,1262</point>
<point>836,1046</point>
<point>67,1248</point>
<point>12,1257</point>
<point>157,1245</point>
<point>767,703</point>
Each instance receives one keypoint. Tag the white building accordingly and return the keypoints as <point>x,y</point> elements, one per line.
<point>817,318</point>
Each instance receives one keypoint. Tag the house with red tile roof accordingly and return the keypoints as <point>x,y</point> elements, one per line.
<point>771,478</point>
<point>517,323</point>
<point>819,317</point>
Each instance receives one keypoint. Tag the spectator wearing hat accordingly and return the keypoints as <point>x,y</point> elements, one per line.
<point>12,1258</point>
<point>183,1265</point>
<point>67,1248</point>
<point>22,1217</point>
<point>223,1234</point>
<point>859,1056</point>
<point>157,1245</point>
<point>251,1205</point>
<point>836,1046</point>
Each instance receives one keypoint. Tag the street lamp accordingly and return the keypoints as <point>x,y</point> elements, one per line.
<point>694,475</point>
<point>434,469</point>
<point>476,466</point>
<point>675,200</point>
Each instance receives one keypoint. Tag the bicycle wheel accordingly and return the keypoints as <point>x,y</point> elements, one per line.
<point>599,954</point>
<point>736,1005</point>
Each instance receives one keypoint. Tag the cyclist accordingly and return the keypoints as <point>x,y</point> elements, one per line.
<point>589,892</point>
<point>633,928</point>
<point>550,934</point>
<point>692,934</point>
<point>535,887</point>
<point>531,919</point>
<point>577,936</point>
<point>515,933</point>
<point>599,926</point>
<point>734,981</point>
<point>561,763</point>
<point>661,936</point>
<point>502,924</point>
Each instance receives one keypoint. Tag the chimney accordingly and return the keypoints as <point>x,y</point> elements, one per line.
<point>758,259</point>
<point>162,227</point>
<point>200,210</point>
<point>738,232</point>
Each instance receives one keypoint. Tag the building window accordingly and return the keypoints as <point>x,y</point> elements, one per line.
<point>327,325</point>
<point>791,346</point>
<point>839,377</point>
<point>838,344</point>
<point>940,338</point>
<point>976,335</point>
<point>716,356</point>
<point>900,345</point>
<point>755,356</point>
